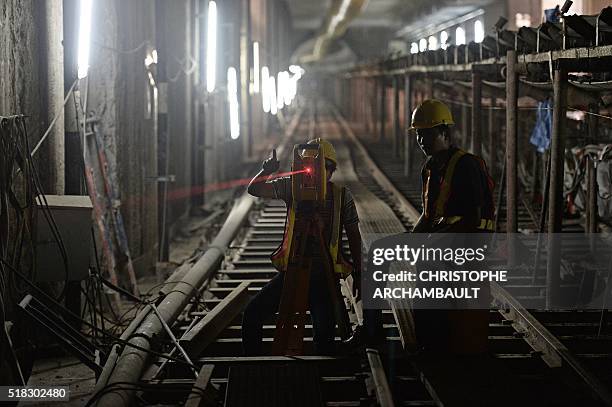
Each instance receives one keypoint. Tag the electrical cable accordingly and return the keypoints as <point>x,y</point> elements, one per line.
<point>57,115</point>
<point>69,313</point>
<point>121,51</point>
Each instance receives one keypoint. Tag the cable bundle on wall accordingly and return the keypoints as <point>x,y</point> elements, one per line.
<point>20,189</point>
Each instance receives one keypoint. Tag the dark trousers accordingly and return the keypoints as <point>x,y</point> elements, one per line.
<point>265,304</point>
<point>373,322</point>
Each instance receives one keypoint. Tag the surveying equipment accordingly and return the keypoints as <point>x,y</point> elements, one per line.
<point>309,182</point>
<point>309,192</point>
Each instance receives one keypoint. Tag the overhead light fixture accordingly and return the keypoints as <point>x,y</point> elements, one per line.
<point>283,87</point>
<point>256,67</point>
<point>459,36</point>
<point>85,7</point>
<point>272,94</point>
<point>443,40</point>
<point>292,88</point>
<point>211,47</point>
<point>432,42</point>
<point>265,89</point>
<point>296,69</point>
<point>232,100</point>
<point>479,33</point>
<point>150,58</point>
<point>422,45</point>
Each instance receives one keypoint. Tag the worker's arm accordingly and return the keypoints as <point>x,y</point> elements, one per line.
<point>423,225</point>
<point>354,240</point>
<point>258,185</point>
<point>471,180</point>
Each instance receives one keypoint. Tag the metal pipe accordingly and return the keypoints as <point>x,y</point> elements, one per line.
<point>542,225</point>
<point>591,207</point>
<point>493,164</point>
<point>382,100</point>
<point>591,175</point>
<point>173,338</point>
<point>465,124</point>
<point>511,153</point>
<point>476,113</point>
<point>396,119</point>
<point>384,396</point>
<point>131,363</point>
<point>339,16</point>
<point>55,92</point>
<point>408,141</point>
<point>555,202</point>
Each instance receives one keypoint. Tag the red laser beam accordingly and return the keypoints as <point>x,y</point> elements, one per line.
<point>183,193</point>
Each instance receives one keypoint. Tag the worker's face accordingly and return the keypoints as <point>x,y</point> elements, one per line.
<point>431,140</point>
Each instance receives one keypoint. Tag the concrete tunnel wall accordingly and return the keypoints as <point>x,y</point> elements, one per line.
<point>186,126</point>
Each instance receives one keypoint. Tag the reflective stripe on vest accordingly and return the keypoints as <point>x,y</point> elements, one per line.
<point>280,257</point>
<point>445,188</point>
<point>485,224</point>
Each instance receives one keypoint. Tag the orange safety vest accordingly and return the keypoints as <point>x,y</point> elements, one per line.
<point>280,256</point>
<point>439,206</point>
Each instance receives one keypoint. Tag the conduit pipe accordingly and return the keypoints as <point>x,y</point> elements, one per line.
<point>337,20</point>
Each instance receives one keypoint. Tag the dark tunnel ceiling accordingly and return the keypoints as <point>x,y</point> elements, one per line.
<point>381,20</point>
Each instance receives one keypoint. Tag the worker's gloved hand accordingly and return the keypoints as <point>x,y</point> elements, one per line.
<point>271,164</point>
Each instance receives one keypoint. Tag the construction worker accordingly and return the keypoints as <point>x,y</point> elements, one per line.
<point>339,205</point>
<point>457,188</point>
<point>457,197</point>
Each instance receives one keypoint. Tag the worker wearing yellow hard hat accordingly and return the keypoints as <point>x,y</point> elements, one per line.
<point>457,198</point>
<point>338,213</point>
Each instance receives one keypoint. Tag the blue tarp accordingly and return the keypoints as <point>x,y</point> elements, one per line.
<point>540,135</point>
<point>552,15</point>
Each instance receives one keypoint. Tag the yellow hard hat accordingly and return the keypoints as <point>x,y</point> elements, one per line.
<point>431,113</point>
<point>329,152</point>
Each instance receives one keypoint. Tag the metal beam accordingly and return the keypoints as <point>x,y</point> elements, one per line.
<point>555,201</point>
<point>570,59</point>
<point>381,108</point>
<point>208,328</point>
<point>396,119</point>
<point>511,143</point>
<point>408,140</point>
<point>202,393</point>
<point>493,139</point>
<point>476,113</point>
<point>511,154</point>
<point>381,385</point>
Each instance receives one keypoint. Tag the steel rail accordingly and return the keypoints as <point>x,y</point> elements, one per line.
<point>128,365</point>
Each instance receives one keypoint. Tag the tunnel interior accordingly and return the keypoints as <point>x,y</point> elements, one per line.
<point>306,203</point>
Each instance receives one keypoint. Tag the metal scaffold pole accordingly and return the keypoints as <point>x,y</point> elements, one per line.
<point>511,152</point>
<point>555,201</point>
<point>476,113</point>
<point>409,141</point>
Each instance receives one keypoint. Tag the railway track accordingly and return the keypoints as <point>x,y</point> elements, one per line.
<point>541,368</point>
